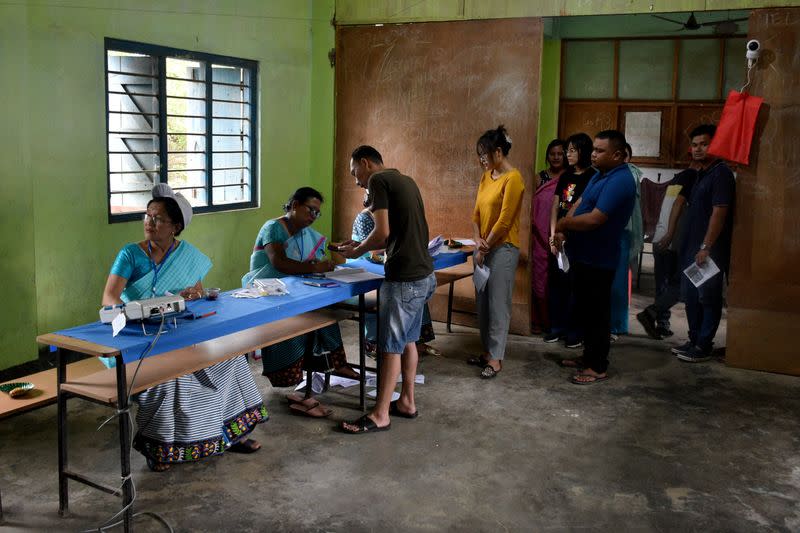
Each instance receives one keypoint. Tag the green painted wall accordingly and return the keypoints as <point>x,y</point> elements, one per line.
<point>548,99</point>
<point>55,241</point>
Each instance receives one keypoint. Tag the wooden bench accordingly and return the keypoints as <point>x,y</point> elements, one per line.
<point>451,275</point>
<point>46,389</point>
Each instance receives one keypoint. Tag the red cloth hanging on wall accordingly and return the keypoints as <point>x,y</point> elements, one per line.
<point>736,127</point>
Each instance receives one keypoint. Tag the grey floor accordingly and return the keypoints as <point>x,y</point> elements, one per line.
<point>661,446</point>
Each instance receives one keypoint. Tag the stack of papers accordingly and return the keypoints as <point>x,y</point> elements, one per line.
<point>351,275</point>
<point>435,246</point>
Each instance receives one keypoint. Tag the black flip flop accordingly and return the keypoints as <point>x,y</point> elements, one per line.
<point>394,411</point>
<point>364,425</point>
<point>477,361</point>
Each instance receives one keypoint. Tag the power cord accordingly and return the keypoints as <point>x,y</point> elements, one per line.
<point>749,68</point>
<point>108,524</point>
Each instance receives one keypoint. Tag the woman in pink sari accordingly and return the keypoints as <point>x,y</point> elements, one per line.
<point>541,205</point>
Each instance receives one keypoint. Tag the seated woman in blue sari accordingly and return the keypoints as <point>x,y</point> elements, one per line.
<point>197,415</point>
<point>287,246</point>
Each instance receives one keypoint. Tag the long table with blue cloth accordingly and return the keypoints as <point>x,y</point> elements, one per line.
<point>204,322</point>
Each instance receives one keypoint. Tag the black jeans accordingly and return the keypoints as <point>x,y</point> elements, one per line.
<point>593,313</point>
<point>561,302</point>
<point>668,286</point>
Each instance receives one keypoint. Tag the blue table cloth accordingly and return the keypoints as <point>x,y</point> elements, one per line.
<point>231,315</point>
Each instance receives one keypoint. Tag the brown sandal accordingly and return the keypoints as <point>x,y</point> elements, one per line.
<point>314,409</point>
<point>245,446</point>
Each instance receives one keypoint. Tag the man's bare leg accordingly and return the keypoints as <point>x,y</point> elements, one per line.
<point>408,363</point>
<point>390,369</point>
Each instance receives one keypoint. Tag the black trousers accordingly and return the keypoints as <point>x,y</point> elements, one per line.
<point>593,313</point>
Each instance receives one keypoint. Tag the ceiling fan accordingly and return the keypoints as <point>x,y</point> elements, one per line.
<point>721,26</point>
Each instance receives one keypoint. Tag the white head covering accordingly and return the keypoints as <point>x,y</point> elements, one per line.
<point>162,190</point>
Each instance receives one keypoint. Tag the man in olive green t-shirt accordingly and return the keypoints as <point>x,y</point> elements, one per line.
<point>401,228</point>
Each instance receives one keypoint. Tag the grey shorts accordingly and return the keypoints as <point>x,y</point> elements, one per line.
<point>401,305</point>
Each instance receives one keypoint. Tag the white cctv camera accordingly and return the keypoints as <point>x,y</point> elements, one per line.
<point>753,52</point>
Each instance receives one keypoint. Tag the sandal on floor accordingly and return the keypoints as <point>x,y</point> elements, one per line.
<point>363,425</point>
<point>155,466</point>
<point>488,372</point>
<point>394,411</point>
<point>245,446</point>
<point>587,379</point>
<point>296,398</point>
<point>576,362</point>
<point>314,409</point>
<point>427,349</point>
<point>478,360</point>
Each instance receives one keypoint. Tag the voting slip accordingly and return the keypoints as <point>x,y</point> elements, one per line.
<point>481,276</point>
<point>563,261</point>
<point>699,274</point>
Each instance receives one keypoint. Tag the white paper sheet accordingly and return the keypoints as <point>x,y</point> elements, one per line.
<point>118,324</point>
<point>435,245</point>
<point>465,242</point>
<point>699,274</point>
<point>350,275</point>
<point>481,276</point>
<point>563,260</point>
<point>374,393</point>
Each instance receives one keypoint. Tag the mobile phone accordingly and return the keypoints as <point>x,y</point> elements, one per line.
<point>321,283</point>
<point>333,247</point>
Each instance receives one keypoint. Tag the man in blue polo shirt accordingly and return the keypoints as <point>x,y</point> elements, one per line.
<point>709,228</point>
<point>591,233</point>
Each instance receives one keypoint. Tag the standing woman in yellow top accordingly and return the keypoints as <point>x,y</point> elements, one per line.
<point>495,223</point>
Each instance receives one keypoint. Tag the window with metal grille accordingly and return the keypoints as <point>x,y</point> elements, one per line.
<point>179,117</point>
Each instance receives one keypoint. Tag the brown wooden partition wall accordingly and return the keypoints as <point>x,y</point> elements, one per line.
<point>764,293</point>
<point>422,94</point>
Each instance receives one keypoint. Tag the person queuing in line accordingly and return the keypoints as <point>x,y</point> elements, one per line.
<point>556,162</point>
<point>667,240</point>
<point>402,230</point>
<point>540,234</point>
<point>560,284</point>
<point>709,229</point>
<point>630,247</point>
<point>495,222</point>
<point>592,230</point>
<point>363,225</point>
<point>287,246</point>
<point>209,411</point>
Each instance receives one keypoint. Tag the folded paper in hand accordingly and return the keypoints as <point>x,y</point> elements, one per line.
<point>481,276</point>
<point>563,261</point>
<point>699,274</point>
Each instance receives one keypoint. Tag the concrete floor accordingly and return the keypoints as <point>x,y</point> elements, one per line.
<point>662,446</point>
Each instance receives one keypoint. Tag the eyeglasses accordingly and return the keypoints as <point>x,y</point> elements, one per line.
<point>483,157</point>
<point>316,213</point>
<point>155,220</point>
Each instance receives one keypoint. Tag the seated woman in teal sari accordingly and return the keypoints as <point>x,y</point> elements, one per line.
<point>287,246</point>
<point>197,415</point>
